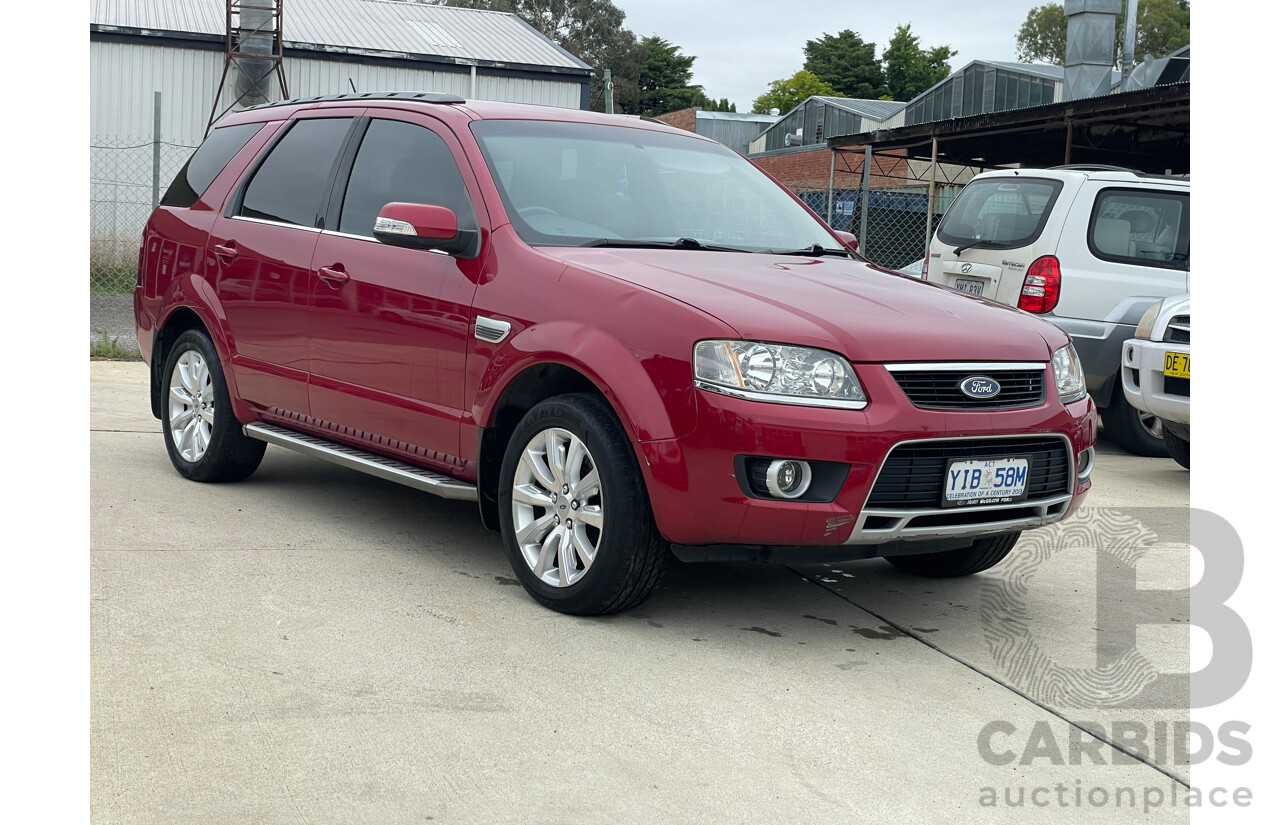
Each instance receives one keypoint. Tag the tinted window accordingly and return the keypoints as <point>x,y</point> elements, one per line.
<point>400,162</point>
<point>1010,212</point>
<point>1142,227</point>
<point>289,184</point>
<point>207,162</point>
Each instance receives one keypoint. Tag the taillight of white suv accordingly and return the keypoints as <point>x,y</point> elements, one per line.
<point>1042,286</point>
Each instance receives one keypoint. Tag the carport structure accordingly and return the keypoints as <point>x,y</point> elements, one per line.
<point>1148,130</point>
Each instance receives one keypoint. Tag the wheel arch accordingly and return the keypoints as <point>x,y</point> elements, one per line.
<point>556,359</point>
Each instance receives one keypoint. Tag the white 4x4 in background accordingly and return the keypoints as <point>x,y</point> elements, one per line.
<point>1090,248</point>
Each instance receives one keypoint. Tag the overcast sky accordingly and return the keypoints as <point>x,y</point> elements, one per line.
<point>743,45</point>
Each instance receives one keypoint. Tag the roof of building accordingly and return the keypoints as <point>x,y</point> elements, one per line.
<point>746,116</point>
<point>871,109</point>
<point>375,28</point>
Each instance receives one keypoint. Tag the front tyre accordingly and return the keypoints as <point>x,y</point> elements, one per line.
<point>983,554</point>
<point>574,512</point>
<point>1137,432</point>
<point>203,437</point>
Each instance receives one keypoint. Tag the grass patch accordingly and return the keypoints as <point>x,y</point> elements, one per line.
<point>113,280</point>
<point>110,349</point>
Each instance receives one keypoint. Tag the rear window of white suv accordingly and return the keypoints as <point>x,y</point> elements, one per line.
<point>1005,212</point>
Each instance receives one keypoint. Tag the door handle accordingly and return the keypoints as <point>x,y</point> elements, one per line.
<point>333,275</point>
<point>227,251</point>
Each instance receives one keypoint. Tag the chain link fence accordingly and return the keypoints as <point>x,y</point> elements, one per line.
<point>892,233</point>
<point>127,176</point>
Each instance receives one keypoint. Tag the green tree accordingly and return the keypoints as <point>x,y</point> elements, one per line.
<point>847,63</point>
<point>784,95</point>
<point>666,79</point>
<point>909,69</point>
<point>1043,36</point>
<point>1163,26</point>
<point>591,30</point>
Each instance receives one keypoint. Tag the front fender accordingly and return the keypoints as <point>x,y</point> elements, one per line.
<point>651,393</point>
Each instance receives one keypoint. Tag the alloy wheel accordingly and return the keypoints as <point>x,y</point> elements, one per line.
<point>558,507</point>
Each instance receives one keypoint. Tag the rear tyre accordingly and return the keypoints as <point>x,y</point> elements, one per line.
<point>1179,448</point>
<point>574,512</point>
<point>1140,433</point>
<point>203,437</point>
<point>982,555</point>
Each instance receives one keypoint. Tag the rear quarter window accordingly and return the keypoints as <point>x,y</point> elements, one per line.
<point>1143,227</point>
<point>207,163</point>
<point>1008,211</point>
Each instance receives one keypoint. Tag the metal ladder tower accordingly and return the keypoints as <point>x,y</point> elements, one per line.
<point>253,52</point>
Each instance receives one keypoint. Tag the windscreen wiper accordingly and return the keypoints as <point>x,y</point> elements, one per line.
<point>679,243</point>
<point>988,244</point>
<point>816,251</point>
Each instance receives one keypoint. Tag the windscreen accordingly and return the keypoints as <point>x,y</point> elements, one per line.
<point>576,184</point>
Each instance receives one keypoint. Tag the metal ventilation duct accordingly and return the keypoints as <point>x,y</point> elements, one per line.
<point>253,77</point>
<point>1091,47</point>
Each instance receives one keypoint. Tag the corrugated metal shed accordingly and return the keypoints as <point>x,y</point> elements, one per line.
<point>734,129</point>
<point>820,117</point>
<point>357,27</point>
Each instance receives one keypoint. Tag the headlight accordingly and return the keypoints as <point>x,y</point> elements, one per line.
<point>1148,321</point>
<point>779,373</point>
<point>1066,369</point>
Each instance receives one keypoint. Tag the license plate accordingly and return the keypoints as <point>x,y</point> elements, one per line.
<point>1177,364</point>
<point>971,482</point>
<point>969,285</point>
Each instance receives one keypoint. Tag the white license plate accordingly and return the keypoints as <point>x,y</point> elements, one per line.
<point>972,482</point>
<point>969,285</point>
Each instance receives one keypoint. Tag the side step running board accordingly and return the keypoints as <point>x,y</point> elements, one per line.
<point>375,465</point>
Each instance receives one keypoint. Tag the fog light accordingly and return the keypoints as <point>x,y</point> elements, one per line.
<point>1084,465</point>
<point>787,478</point>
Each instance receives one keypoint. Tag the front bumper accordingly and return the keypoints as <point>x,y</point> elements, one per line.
<point>1144,382</point>
<point>698,499</point>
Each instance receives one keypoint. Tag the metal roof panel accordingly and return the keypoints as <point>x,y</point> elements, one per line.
<point>365,25</point>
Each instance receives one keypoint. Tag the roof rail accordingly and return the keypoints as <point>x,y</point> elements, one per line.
<point>1094,167</point>
<point>423,97</point>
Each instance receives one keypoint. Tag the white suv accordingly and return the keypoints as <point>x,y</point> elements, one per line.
<point>1090,248</point>
<point>1157,371</point>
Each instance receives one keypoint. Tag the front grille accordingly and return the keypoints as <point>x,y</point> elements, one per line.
<point>940,389</point>
<point>1177,386</point>
<point>913,474</point>
<point>1179,330</point>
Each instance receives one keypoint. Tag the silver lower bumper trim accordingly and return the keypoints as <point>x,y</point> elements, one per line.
<point>877,526</point>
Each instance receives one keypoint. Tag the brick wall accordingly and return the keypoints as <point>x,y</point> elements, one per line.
<point>686,119</point>
<point>811,169</point>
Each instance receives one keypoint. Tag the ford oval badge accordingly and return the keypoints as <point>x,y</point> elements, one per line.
<point>980,387</point>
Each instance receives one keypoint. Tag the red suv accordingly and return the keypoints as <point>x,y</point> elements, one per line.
<point>622,340</point>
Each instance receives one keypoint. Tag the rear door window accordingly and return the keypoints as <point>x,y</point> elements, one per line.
<point>207,163</point>
<point>289,184</point>
<point>1142,226</point>
<point>1010,212</point>
<point>399,162</point>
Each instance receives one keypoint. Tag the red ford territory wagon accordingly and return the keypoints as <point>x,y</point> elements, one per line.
<point>623,341</point>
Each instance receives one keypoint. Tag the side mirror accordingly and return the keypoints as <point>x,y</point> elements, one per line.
<point>424,226</point>
<point>849,239</point>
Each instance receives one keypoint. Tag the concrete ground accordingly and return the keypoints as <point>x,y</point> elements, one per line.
<point>317,646</point>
